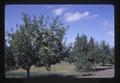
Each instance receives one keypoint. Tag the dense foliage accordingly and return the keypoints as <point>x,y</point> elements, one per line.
<point>36,43</point>
<point>86,54</point>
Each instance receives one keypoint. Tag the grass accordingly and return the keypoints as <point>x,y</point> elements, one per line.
<point>58,70</point>
<point>63,69</point>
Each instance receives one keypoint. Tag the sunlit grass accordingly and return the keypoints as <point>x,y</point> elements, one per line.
<point>62,68</point>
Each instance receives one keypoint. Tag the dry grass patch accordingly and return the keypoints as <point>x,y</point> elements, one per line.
<point>63,68</point>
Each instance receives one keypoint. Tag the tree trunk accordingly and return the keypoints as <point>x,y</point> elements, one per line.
<point>103,63</point>
<point>94,64</point>
<point>48,67</point>
<point>28,73</point>
<point>111,62</point>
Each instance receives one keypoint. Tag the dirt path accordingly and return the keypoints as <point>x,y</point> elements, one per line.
<point>109,73</point>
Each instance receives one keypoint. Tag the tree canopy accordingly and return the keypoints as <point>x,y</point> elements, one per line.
<point>36,43</point>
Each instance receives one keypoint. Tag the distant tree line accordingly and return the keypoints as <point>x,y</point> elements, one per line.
<point>86,54</point>
<point>41,43</point>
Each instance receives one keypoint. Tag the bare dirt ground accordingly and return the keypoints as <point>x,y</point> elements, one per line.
<point>108,73</point>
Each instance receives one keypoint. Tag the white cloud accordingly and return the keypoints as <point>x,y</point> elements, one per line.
<point>70,17</point>
<point>58,11</point>
<point>94,16</point>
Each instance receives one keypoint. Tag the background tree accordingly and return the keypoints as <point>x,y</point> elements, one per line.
<point>91,52</point>
<point>97,52</point>
<point>104,52</point>
<point>75,50</point>
<point>111,56</point>
<point>87,54</point>
<point>68,53</point>
<point>9,58</point>
<point>80,54</point>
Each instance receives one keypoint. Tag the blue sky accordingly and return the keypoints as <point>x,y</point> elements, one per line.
<point>93,20</point>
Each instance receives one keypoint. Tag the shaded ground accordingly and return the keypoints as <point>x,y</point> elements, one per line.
<point>63,70</point>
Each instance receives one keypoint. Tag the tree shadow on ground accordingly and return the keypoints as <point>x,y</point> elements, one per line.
<point>88,74</point>
<point>100,69</point>
<point>107,65</point>
<point>56,76</point>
